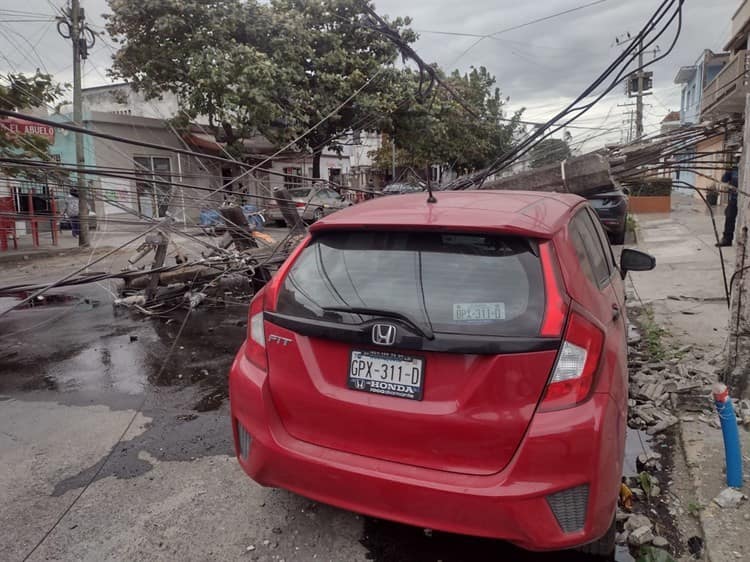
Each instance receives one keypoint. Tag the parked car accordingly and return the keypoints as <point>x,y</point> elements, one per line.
<point>211,221</point>
<point>312,204</point>
<point>612,209</point>
<point>459,366</point>
<point>401,188</point>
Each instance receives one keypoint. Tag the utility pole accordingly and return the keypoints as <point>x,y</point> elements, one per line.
<point>630,121</point>
<point>72,25</point>
<point>639,82</point>
<point>639,97</point>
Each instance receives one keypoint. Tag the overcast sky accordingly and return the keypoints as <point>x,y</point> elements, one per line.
<point>540,67</point>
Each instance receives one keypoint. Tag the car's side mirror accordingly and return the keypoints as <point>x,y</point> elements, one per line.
<point>635,260</point>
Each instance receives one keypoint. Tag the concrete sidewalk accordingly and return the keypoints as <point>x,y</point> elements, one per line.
<point>687,295</point>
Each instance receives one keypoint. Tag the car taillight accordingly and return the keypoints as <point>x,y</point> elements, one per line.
<point>255,347</point>
<point>556,302</point>
<point>576,366</point>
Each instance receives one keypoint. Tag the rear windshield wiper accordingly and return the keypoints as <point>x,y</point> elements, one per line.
<point>425,331</point>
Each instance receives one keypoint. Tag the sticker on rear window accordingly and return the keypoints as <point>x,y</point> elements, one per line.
<point>478,311</point>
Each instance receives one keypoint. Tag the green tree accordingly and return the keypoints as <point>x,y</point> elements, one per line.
<point>278,69</point>
<point>549,151</point>
<point>21,93</point>
<point>438,129</point>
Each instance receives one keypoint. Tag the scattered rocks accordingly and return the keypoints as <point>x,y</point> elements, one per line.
<point>637,521</point>
<point>729,497</point>
<point>641,535</point>
<point>660,542</point>
<point>648,461</point>
<point>662,425</point>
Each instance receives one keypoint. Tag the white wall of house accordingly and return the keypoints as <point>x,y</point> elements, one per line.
<point>122,99</point>
<point>332,165</point>
<point>124,192</point>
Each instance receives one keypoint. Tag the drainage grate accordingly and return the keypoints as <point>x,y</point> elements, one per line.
<point>569,507</point>
<point>245,441</point>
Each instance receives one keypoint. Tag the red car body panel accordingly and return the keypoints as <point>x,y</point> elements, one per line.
<point>513,212</point>
<point>474,413</point>
<point>561,450</point>
<point>475,456</point>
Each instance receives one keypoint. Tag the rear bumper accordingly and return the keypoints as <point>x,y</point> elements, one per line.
<point>562,450</point>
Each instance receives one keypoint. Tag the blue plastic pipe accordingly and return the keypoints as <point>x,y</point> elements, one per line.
<point>732,450</point>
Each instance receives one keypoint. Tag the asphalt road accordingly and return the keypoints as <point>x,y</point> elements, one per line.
<point>115,448</point>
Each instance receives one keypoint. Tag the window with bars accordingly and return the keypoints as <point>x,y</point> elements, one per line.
<point>292,177</point>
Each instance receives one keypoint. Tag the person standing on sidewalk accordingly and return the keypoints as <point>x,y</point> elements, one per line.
<point>72,213</point>
<point>731,177</point>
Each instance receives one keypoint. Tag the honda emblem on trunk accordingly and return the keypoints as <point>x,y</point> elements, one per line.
<point>383,334</point>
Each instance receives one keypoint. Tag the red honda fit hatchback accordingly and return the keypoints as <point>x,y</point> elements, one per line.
<point>458,365</point>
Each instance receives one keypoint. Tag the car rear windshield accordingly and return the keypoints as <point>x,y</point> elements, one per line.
<point>455,283</point>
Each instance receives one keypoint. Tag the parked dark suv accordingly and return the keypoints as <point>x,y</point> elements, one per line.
<point>612,209</point>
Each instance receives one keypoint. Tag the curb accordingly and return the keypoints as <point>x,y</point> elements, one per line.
<point>33,255</point>
<point>694,480</point>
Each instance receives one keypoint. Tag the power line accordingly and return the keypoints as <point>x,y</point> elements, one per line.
<point>573,110</point>
<point>519,26</point>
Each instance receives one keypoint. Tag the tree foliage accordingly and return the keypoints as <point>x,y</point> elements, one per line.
<point>24,92</point>
<point>278,69</point>
<point>549,151</point>
<point>439,130</point>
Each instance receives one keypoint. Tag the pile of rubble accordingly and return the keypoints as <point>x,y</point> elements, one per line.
<point>233,270</point>
<point>660,388</point>
<point>676,386</point>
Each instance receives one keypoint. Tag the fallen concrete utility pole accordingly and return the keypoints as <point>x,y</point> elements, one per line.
<point>583,175</point>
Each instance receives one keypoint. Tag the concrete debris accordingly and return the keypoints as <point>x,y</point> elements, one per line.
<point>634,336</point>
<point>133,300</point>
<point>729,497</point>
<point>622,538</point>
<point>743,412</point>
<point>660,542</point>
<point>641,535</point>
<point>648,461</point>
<point>662,425</point>
<point>637,521</point>
<point>195,298</point>
<point>659,387</point>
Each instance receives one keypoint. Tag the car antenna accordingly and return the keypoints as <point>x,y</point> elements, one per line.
<point>430,197</point>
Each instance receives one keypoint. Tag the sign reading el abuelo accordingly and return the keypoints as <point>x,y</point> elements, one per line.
<point>20,127</point>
